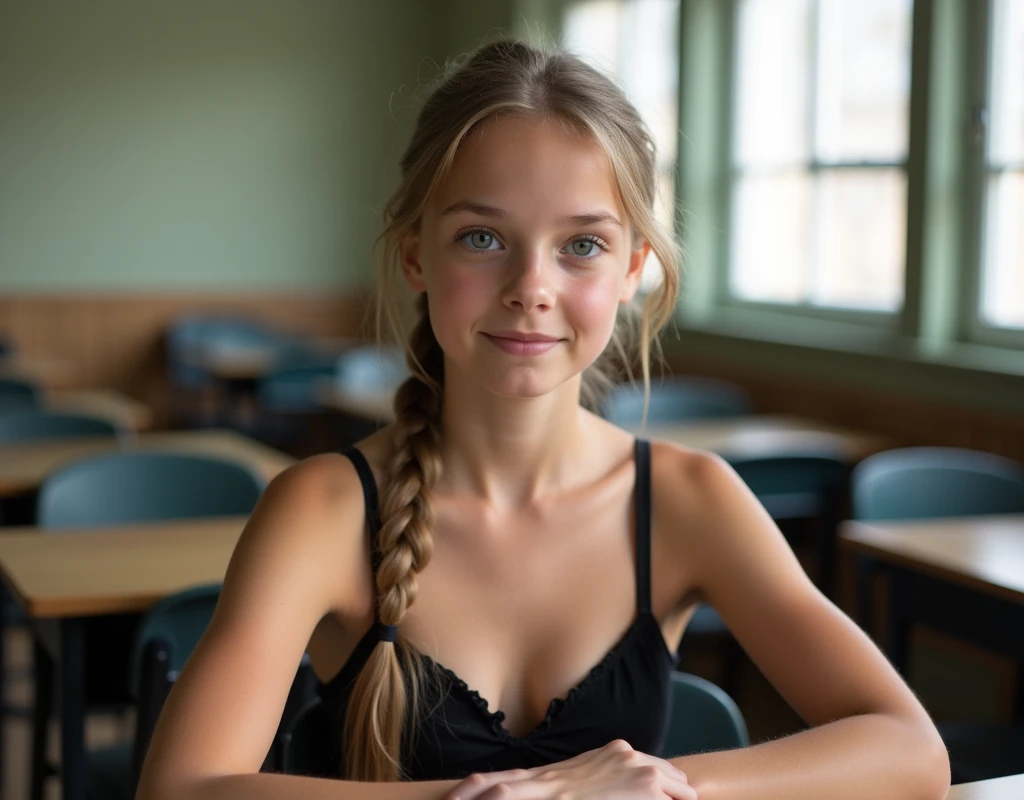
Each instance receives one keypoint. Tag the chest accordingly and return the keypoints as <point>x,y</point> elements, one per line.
<point>522,606</point>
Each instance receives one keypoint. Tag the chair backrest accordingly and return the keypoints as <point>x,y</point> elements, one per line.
<point>675,399</point>
<point>24,425</point>
<point>704,718</point>
<point>166,637</point>
<point>370,369</point>
<point>16,393</point>
<point>188,335</point>
<point>793,486</point>
<point>928,482</point>
<point>293,389</point>
<point>142,486</point>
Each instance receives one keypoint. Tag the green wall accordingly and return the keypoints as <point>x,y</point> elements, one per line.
<point>195,144</point>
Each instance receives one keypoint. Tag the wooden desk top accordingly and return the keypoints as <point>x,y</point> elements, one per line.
<point>983,553</point>
<point>46,372</point>
<point>1011,788</point>
<point>115,569</point>
<point>766,435</point>
<point>128,412</point>
<point>24,467</point>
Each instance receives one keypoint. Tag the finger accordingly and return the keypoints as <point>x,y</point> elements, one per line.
<point>476,784</point>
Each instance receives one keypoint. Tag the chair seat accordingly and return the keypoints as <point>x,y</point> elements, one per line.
<point>705,622</point>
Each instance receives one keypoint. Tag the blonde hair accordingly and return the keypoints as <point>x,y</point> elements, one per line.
<point>506,77</point>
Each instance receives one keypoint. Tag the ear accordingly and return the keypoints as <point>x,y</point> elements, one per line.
<point>637,259</point>
<point>409,256</point>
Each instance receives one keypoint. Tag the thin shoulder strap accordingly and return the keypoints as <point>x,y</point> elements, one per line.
<point>643,525</point>
<point>370,499</point>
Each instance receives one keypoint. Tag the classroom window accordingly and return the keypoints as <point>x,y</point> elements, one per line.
<point>636,41</point>
<point>819,149</point>
<point>1002,258</point>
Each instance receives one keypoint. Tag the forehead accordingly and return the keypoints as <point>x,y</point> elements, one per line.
<point>530,167</point>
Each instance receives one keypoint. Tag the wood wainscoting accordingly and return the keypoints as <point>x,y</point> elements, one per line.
<point>117,340</point>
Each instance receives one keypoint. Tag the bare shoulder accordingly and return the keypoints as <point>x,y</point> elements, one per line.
<point>706,509</point>
<point>311,521</point>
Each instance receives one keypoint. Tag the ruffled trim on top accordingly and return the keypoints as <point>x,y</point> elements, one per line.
<point>557,706</point>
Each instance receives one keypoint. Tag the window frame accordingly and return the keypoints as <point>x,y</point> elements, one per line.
<point>981,41</point>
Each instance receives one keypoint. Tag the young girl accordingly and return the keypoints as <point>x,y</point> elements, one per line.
<point>524,554</point>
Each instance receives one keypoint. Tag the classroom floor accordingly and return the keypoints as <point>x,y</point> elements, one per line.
<point>766,713</point>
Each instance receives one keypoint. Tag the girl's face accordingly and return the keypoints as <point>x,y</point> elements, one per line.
<point>524,253</point>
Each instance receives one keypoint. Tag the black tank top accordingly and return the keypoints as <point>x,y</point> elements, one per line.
<point>625,696</point>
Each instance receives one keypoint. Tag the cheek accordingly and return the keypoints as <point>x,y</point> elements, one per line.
<point>594,306</point>
<point>460,290</point>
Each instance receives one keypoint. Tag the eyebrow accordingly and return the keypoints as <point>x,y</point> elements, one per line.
<point>490,211</point>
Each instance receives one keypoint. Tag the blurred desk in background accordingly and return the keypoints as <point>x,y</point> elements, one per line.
<point>368,405</point>
<point>125,411</point>
<point>766,435</point>
<point>61,579</point>
<point>1011,788</point>
<point>962,576</point>
<point>24,467</point>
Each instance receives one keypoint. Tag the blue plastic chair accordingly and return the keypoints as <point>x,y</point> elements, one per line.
<point>16,393</point>
<point>292,389</point>
<point>703,718</point>
<point>932,482</point>
<point>167,635</point>
<point>34,425</point>
<point>675,399</point>
<point>118,488</point>
<point>188,335</point>
<point>146,486</point>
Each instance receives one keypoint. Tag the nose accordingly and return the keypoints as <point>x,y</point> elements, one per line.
<point>531,283</point>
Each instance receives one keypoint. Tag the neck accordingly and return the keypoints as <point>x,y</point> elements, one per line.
<point>510,451</point>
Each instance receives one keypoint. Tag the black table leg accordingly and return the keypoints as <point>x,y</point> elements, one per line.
<point>865,589</point>
<point>898,635</point>
<point>72,728</point>
<point>42,710</point>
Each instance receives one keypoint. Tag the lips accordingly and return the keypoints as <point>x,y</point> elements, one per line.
<point>518,343</point>
<point>522,336</point>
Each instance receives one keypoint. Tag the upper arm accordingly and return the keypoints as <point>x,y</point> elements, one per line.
<point>299,557</point>
<point>816,657</point>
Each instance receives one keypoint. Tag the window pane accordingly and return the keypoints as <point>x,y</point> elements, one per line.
<point>636,41</point>
<point>772,83</point>
<point>821,83</point>
<point>770,239</point>
<point>861,239</point>
<point>863,77</point>
<point>1006,143</point>
<point>1003,286</point>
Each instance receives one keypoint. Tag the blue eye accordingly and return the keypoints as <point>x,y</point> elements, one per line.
<point>585,248</point>
<point>591,247</point>
<point>479,240</point>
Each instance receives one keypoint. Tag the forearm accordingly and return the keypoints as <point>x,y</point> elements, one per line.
<point>265,786</point>
<point>872,755</point>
